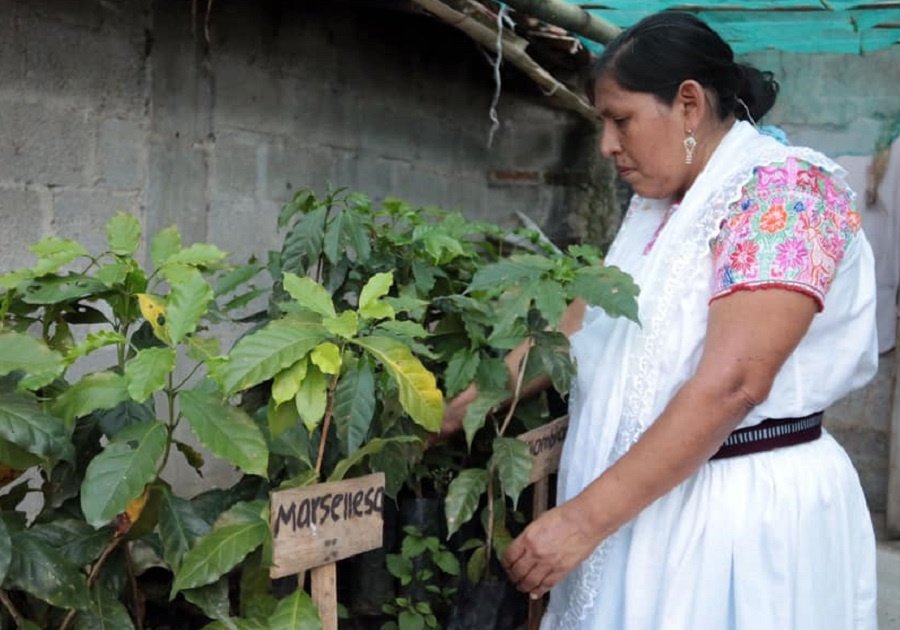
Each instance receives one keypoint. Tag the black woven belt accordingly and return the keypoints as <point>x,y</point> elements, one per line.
<point>771,434</point>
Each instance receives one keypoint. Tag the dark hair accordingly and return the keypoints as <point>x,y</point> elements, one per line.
<point>665,49</point>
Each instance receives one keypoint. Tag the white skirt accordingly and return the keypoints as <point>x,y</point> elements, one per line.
<point>780,540</point>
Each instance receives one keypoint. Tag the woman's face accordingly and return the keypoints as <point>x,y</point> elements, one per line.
<point>645,139</point>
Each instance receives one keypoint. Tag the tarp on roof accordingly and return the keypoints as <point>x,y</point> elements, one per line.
<point>803,26</point>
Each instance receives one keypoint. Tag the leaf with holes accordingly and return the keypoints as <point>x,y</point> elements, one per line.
<point>120,472</point>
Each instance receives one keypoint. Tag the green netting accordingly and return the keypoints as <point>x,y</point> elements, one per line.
<point>826,26</point>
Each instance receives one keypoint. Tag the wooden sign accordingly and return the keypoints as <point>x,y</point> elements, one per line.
<point>545,444</point>
<point>324,523</point>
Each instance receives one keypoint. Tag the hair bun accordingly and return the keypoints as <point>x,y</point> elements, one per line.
<point>756,94</point>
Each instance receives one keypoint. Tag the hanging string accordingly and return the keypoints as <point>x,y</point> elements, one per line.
<point>502,16</point>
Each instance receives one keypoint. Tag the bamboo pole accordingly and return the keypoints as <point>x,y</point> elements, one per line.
<point>568,16</point>
<point>513,50</point>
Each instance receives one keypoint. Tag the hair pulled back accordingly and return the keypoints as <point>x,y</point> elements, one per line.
<point>663,50</point>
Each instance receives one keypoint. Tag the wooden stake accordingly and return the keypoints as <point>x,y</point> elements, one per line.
<point>323,581</point>
<point>540,503</point>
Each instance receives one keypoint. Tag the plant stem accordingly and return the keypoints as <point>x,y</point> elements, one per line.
<point>520,378</point>
<point>326,423</point>
<point>13,611</point>
<point>95,571</point>
<point>188,377</point>
<point>135,593</point>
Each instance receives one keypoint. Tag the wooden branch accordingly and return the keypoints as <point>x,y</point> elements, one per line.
<point>513,50</point>
<point>568,16</point>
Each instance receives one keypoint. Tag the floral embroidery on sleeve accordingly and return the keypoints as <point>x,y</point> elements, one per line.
<point>789,230</point>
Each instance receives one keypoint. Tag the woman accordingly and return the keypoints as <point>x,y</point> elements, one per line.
<point>757,310</point>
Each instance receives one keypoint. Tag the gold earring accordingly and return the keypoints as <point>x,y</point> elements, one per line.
<point>690,143</point>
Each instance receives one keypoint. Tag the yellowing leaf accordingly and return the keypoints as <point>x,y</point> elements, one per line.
<point>370,304</point>
<point>311,399</point>
<point>327,357</point>
<point>346,325</point>
<point>153,309</point>
<point>287,383</point>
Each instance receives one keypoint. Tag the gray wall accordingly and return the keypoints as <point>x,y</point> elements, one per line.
<point>110,105</point>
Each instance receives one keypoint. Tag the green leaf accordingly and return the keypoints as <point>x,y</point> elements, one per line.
<point>461,370</point>
<point>58,289</point>
<point>120,472</point>
<point>312,398</point>
<point>78,542</point>
<point>217,553</point>
<point>281,418</point>
<point>197,255</point>
<point>147,372</point>
<point>370,304</point>
<point>5,551</point>
<point>123,233</point>
<point>408,620</point>
<point>513,461</point>
<point>463,497</point>
<point>327,357</point>
<point>164,245</point>
<point>476,565</point>
<point>265,353</point>
<point>287,382</point>
<point>550,355</point>
<point>212,599</point>
<point>114,273</point>
<point>99,390</point>
<point>21,352</point>
<point>238,276</point>
<point>106,612</point>
<point>295,612</point>
<point>447,562</point>
<point>16,457</point>
<point>53,253</point>
<point>225,430</point>
<point>12,279</point>
<point>609,288</point>
<point>419,394</point>
<point>188,300</point>
<point>93,341</point>
<point>309,294</point>
<point>203,349</point>
<point>346,325</point>
<point>354,405</point>
<point>24,424</point>
<point>37,568</point>
<point>373,446</point>
<point>510,271</point>
<point>404,328</point>
<point>476,412</point>
<point>550,299</point>
<point>124,415</point>
<point>179,527</point>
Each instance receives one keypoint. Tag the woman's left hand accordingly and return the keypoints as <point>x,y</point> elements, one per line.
<point>548,549</point>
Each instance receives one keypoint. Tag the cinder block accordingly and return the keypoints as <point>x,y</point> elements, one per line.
<point>104,66</point>
<point>292,166</point>
<point>244,227</point>
<point>237,157</point>
<point>82,215</point>
<point>253,97</point>
<point>42,144</point>
<point>121,153</point>
<point>21,224</point>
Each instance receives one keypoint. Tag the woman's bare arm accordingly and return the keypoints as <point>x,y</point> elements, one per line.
<point>750,335</point>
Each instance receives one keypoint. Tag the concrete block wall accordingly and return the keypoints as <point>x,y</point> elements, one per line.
<point>109,105</point>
